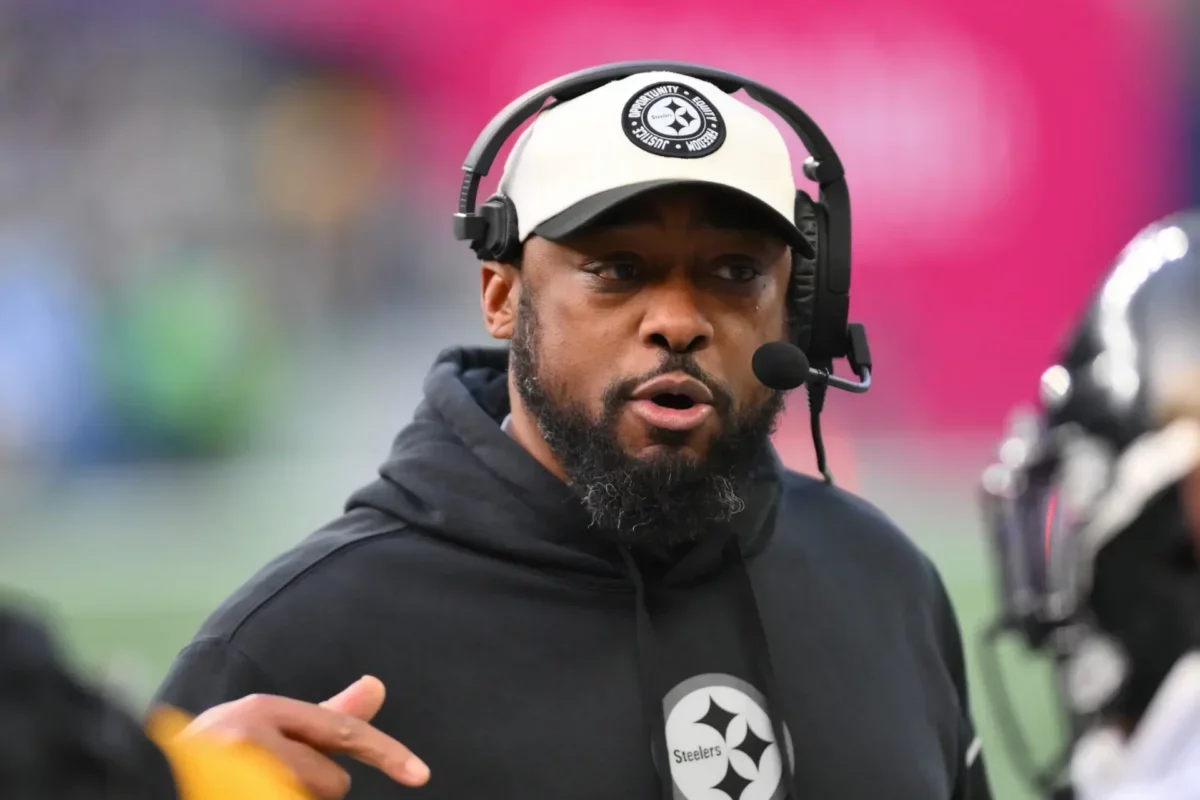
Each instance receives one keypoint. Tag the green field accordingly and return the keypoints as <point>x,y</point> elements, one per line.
<point>130,565</point>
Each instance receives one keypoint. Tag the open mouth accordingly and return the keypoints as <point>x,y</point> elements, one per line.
<point>685,408</point>
<point>677,401</point>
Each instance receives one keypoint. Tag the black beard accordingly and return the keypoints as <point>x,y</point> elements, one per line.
<point>664,500</point>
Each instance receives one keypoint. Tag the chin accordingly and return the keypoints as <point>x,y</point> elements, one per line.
<point>660,444</point>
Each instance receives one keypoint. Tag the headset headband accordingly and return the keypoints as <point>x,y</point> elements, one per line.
<point>823,166</point>
<point>826,170</point>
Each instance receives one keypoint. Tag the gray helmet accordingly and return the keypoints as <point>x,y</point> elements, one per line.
<point>1083,509</point>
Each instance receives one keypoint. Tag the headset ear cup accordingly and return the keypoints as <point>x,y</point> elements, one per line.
<point>802,290</point>
<point>503,240</point>
<point>512,235</point>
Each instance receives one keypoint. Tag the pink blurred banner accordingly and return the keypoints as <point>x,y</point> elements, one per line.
<point>998,154</point>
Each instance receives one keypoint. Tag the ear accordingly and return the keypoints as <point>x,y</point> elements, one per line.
<point>499,292</point>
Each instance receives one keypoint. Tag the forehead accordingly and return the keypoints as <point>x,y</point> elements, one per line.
<point>691,207</point>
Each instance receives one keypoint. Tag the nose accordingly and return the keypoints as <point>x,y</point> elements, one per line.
<point>674,320</point>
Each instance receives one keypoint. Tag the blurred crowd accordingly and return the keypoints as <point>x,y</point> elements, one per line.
<point>188,199</point>
<point>179,208</point>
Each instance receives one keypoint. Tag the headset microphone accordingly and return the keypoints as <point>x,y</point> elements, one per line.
<point>783,366</point>
<point>780,366</point>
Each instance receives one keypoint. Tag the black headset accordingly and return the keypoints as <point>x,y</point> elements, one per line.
<point>820,287</point>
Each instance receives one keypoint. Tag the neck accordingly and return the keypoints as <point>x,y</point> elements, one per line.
<point>524,430</point>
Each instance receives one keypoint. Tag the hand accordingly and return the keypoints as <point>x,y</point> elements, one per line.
<point>301,734</point>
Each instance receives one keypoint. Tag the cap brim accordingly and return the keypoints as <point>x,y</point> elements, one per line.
<point>588,210</point>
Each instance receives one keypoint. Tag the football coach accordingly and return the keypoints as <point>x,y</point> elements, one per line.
<point>583,572</point>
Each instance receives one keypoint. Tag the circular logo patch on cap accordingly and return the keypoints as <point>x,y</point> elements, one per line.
<point>674,120</point>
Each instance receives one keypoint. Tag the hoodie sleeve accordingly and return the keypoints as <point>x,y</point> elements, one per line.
<point>972,780</point>
<point>208,672</point>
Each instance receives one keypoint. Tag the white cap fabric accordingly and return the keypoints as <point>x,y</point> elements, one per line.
<point>584,156</point>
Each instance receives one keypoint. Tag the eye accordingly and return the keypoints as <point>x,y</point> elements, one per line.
<point>737,273</point>
<point>616,269</point>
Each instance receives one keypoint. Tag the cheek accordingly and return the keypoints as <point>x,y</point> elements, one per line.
<point>575,354</point>
<point>737,373</point>
<point>743,334</point>
<point>766,317</point>
<point>749,391</point>
<point>777,316</point>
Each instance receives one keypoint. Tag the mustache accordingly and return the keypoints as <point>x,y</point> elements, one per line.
<point>620,390</point>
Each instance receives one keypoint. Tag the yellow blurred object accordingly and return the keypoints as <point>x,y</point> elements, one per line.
<point>207,768</point>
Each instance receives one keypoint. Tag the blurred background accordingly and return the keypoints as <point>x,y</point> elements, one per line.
<point>226,260</point>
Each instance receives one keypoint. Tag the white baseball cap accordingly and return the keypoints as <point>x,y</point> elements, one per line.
<point>584,156</point>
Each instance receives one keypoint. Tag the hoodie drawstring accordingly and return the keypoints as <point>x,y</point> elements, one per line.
<point>761,655</point>
<point>652,708</point>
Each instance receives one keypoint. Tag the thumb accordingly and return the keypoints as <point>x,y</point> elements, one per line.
<point>361,699</point>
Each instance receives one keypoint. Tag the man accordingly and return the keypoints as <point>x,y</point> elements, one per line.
<point>1095,513</point>
<point>583,572</point>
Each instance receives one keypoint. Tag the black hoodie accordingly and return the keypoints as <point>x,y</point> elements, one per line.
<point>526,658</point>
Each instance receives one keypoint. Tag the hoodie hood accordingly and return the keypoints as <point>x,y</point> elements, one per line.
<point>455,474</point>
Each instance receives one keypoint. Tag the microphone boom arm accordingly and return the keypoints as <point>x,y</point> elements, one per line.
<point>861,386</point>
<point>859,356</point>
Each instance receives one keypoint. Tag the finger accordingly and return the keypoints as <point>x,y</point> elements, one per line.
<point>318,773</point>
<point>332,731</point>
<point>361,699</point>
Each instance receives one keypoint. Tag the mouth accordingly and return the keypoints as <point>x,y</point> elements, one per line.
<point>673,402</point>
<point>673,391</point>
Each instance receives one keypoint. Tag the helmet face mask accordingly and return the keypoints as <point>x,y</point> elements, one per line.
<point>1037,501</point>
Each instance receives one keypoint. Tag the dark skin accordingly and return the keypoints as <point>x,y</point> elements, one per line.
<point>667,272</point>
<point>302,736</point>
